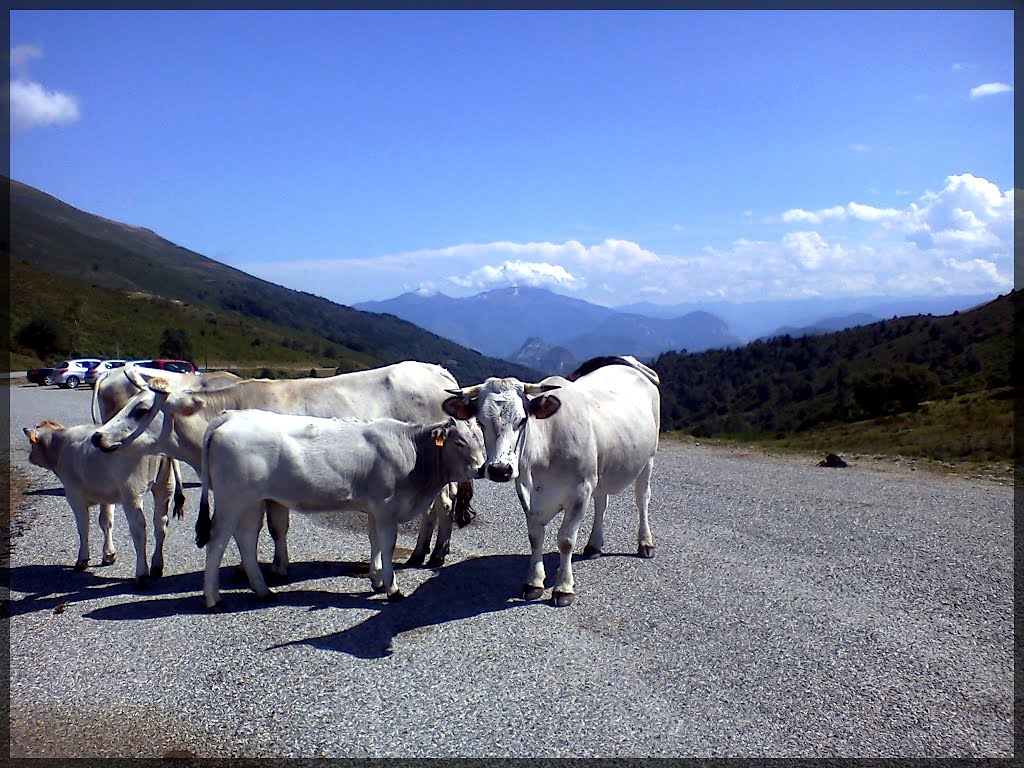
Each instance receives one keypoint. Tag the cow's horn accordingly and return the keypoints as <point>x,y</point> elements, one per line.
<point>539,389</point>
<point>466,392</point>
<point>135,377</point>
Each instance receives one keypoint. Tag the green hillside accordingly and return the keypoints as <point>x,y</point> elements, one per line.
<point>939,387</point>
<point>104,275</point>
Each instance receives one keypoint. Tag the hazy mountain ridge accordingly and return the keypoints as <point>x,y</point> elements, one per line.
<point>499,321</point>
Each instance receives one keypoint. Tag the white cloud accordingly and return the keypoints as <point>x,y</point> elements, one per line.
<point>969,212</point>
<point>536,274</point>
<point>31,103</point>
<point>21,55</point>
<point>990,89</point>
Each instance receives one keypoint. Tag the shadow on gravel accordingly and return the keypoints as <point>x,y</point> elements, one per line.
<point>46,492</point>
<point>50,586</point>
<point>459,591</point>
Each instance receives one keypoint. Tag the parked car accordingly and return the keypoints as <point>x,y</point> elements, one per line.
<point>41,376</point>
<point>177,366</point>
<point>104,365</point>
<point>71,373</point>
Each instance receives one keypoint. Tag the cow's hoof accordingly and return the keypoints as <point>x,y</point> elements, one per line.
<point>531,592</point>
<point>270,597</point>
<point>591,553</point>
<point>108,559</point>
<point>273,577</point>
<point>563,599</point>
<point>435,561</point>
<point>217,607</point>
<point>646,551</point>
<point>395,596</point>
<point>416,558</point>
<point>378,588</point>
<point>141,582</point>
<point>157,571</point>
<point>81,565</point>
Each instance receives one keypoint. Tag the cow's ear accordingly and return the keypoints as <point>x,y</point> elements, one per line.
<point>461,408</point>
<point>544,406</point>
<point>439,434</point>
<point>189,405</point>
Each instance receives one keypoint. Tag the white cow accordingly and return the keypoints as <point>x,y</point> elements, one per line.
<point>113,388</point>
<point>169,417</point>
<point>593,438</point>
<point>389,469</point>
<point>90,477</point>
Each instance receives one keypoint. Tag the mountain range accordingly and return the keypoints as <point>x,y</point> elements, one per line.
<point>500,321</point>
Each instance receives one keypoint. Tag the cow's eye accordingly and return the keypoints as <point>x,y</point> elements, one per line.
<point>141,410</point>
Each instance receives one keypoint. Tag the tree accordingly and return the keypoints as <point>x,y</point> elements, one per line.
<point>894,390</point>
<point>42,336</point>
<point>176,344</point>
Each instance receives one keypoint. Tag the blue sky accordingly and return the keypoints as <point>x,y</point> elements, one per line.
<point>664,156</point>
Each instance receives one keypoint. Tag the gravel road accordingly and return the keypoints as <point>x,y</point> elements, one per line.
<point>791,611</point>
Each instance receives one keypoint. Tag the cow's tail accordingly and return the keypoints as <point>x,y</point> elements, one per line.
<point>462,511</point>
<point>95,398</point>
<point>648,372</point>
<point>204,523</point>
<point>179,493</point>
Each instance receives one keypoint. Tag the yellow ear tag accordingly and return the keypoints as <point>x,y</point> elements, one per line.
<point>33,438</point>
<point>439,439</point>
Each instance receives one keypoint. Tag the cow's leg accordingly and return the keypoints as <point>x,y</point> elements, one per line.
<point>222,528</point>
<point>642,491</point>
<point>278,520</point>
<point>375,558</point>
<point>564,593</point>
<point>137,527</point>
<point>387,535</point>
<point>106,521</point>
<point>427,520</point>
<point>247,536</point>
<point>163,491</point>
<point>534,586</point>
<point>596,541</point>
<point>80,508</point>
<point>443,504</point>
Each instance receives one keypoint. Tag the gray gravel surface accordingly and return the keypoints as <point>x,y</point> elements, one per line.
<point>790,611</point>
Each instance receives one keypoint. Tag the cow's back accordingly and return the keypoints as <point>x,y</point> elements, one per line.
<point>616,412</point>
<point>408,391</point>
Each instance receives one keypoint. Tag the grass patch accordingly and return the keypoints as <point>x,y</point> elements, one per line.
<point>972,432</point>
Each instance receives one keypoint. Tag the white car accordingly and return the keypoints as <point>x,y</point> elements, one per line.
<point>96,370</point>
<point>71,373</point>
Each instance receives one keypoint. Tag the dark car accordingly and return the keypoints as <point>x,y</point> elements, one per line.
<point>177,366</point>
<point>41,376</point>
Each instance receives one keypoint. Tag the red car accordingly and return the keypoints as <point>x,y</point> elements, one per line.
<point>177,366</point>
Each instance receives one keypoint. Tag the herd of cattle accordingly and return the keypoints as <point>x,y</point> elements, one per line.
<point>396,442</point>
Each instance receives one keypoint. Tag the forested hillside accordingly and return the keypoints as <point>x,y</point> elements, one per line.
<point>95,257</point>
<point>790,384</point>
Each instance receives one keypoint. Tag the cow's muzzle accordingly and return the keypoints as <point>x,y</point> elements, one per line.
<point>499,472</point>
<point>97,441</point>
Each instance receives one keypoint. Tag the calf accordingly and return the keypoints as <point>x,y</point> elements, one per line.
<point>91,477</point>
<point>596,436</point>
<point>389,469</point>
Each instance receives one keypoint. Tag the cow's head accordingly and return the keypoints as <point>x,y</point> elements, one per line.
<point>462,447</point>
<point>503,407</point>
<point>39,443</point>
<point>146,420</point>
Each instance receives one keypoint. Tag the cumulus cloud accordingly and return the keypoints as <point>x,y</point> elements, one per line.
<point>990,89</point>
<point>31,103</point>
<point>535,274</point>
<point>968,212</point>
